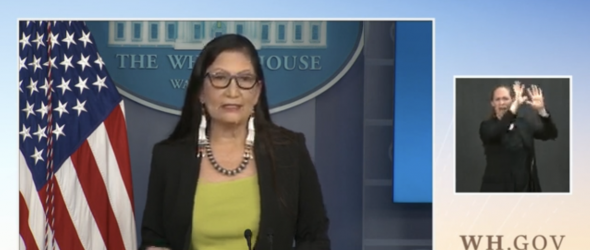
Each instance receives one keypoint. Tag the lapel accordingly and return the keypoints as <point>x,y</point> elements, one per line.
<point>189,174</point>
<point>190,166</point>
<point>267,198</point>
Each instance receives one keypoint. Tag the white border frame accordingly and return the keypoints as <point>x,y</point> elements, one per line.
<point>310,96</point>
<point>571,127</point>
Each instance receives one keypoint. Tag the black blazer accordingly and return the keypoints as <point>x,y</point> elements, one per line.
<point>167,218</point>
<point>511,164</point>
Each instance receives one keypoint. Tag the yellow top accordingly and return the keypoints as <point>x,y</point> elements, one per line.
<point>223,211</point>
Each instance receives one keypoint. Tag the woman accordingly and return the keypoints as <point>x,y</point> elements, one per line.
<point>227,173</point>
<point>509,140</point>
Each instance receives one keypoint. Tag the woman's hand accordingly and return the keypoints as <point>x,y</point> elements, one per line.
<point>519,98</point>
<point>537,101</point>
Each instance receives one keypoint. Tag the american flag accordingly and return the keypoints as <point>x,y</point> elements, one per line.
<point>74,168</point>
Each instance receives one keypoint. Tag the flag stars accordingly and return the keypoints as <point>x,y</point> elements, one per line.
<point>46,86</point>
<point>39,40</point>
<point>25,40</point>
<point>80,107</point>
<point>67,62</point>
<point>40,132</point>
<point>51,62</point>
<point>66,53</point>
<point>84,62</point>
<point>25,133</point>
<point>99,61</point>
<point>85,38</point>
<point>60,90</point>
<point>54,39</point>
<point>69,39</point>
<point>29,109</point>
<point>38,155</point>
<point>22,63</point>
<point>100,83</point>
<point>64,86</point>
<point>36,63</point>
<point>43,110</point>
<point>81,84</point>
<point>58,131</point>
<point>61,108</point>
<point>32,87</point>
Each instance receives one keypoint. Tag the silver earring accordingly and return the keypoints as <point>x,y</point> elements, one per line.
<point>202,133</point>
<point>250,137</point>
<point>251,133</point>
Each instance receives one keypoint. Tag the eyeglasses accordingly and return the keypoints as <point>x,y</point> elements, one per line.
<point>222,80</point>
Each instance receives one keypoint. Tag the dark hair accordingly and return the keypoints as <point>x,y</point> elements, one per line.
<point>190,118</point>
<point>510,90</point>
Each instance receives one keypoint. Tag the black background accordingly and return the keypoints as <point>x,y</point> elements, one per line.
<point>473,106</point>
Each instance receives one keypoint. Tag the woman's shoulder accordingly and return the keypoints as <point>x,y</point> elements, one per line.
<point>282,135</point>
<point>168,146</point>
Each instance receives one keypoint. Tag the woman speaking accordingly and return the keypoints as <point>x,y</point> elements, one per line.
<point>509,140</point>
<point>227,177</point>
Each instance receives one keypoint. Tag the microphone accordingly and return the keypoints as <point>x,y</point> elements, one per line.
<point>248,236</point>
<point>269,236</point>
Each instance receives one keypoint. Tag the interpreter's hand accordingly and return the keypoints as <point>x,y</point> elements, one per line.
<point>537,101</point>
<point>519,93</point>
<point>519,98</point>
